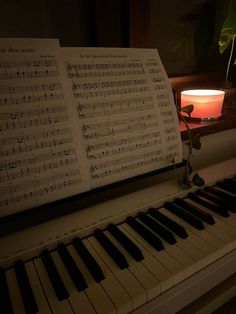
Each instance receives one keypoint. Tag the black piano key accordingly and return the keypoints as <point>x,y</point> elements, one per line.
<point>157,228</point>
<point>5,300</point>
<point>218,200</point>
<point>226,186</point>
<point>224,196</point>
<point>196,211</point>
<point>93,267</point>
<point>26,291</point>
<point>186,216</point>
<point>209,204</point>
<point>111,249</point>
<point>54,276</point>
<point>72,268</point>
<point>169,223</point>
<point>150,237</point>
<point>232,183</point>
<point>132,248</point>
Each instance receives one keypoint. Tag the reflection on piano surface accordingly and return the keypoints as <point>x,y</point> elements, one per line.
<point>131,264</point>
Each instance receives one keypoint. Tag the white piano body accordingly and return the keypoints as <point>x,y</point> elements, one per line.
<point>217,160</point>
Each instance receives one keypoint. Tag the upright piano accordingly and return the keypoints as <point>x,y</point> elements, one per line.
<point>155,249</point>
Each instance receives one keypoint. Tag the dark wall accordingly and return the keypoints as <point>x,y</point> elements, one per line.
<point>71,21</point>
<point>185,32</point>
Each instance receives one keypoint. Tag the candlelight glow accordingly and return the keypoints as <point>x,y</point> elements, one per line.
<point>207,102</point>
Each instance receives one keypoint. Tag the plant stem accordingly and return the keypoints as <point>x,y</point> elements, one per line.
<point>229,62</point>
<point>190,148</point>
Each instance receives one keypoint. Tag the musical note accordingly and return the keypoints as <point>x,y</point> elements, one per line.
<point>36,138</point>
<point>102,70</point>
<point>116,147</point>
<point>120,126</point>
<point>33,189</point>
<point>15,95</point>
<point>124,164</point>
<point>112,108</point>
<point>35,141</point>
<point>86,90</point>
<point>24,69</point>
<point>32,118</point>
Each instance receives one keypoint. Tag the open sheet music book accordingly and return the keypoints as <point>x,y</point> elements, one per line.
<point>74,119</point>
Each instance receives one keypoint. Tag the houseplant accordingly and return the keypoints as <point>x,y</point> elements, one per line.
<point>227,42</point>
<point>193,142</point>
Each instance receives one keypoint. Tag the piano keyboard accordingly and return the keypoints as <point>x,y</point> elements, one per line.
<point>120,268</point>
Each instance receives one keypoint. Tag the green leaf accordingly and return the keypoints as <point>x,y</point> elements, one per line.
<point>225,40</point>
<point>228,31</point>
<point>197,180</point>
<point>230,21</point>
<point>187,109</point>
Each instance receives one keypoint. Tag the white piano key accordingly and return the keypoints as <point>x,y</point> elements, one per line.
<point>204,246</point>
<point>228,227</point>
<point>231,219</point>
<point>224,231</point>
<point>125,277</point>
<point>187,247</point>
<point>195,251</point>
<point>203,234</point>
<point>140,272</point>
<point>95,292</point>
<point>157,268</point>
<point>17,302</point>
<point>38,292</point>
<point>227,224</point>
<point>114,290</point>
<point>77,299</point>
<point>57,307</point>
<point>219,231</point>
<point>220,247</point>
<point>172,262</point>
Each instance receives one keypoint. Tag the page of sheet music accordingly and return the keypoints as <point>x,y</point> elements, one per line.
<point>39,160</point>
<point>125,111</point>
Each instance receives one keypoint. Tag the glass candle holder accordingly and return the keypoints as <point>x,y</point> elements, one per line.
<point>207,104</point>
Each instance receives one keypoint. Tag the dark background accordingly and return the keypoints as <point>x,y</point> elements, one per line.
<point>185,32</point>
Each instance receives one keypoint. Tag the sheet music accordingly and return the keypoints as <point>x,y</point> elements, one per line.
<point>39,160</point>
<point>125,112</point>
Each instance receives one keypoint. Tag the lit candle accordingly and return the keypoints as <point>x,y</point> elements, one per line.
<point>207,103</point>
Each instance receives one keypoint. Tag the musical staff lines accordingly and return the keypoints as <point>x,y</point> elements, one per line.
<point>25,69</point>
<point>39,158</point>
<point>35,141</point>
<point>171,134</point>
<point>32,118</point>
<point>117,127</point>
<point>103,69</point>
<point>123,145</point>
<point>15,95</point>
<point>124,164</point>
<point>38,188</point>
<point>111,108</point>
<point>38,164</point>
<point>95,89</point>
<point>167,117</point>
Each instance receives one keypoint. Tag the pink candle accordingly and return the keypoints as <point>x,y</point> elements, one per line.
<point>207,102</point>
